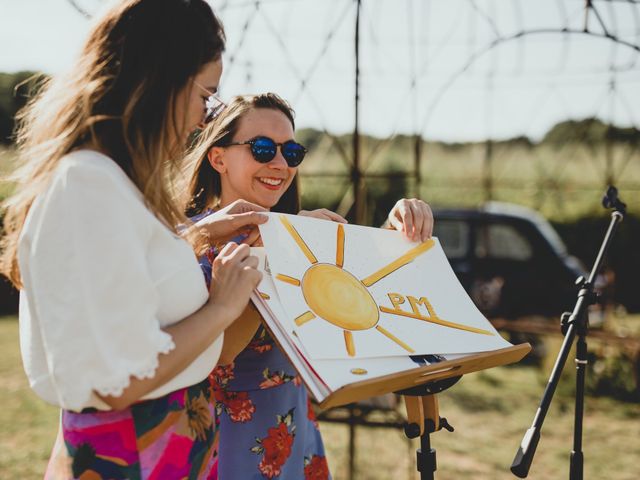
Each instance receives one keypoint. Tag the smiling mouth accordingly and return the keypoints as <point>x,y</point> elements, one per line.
<point>271,182</point>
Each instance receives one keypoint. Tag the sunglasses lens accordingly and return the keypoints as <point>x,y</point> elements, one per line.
<point>263,149</point>
<point>293,153</point>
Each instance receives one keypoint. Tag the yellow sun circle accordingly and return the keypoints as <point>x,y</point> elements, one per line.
<point>339,298</point>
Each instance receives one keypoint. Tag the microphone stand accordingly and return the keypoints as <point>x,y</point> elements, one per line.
<point>572,323</point>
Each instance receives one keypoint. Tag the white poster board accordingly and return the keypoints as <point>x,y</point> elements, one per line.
<point>361,292</point>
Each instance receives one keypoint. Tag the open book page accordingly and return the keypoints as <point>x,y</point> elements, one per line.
<point>266,300</point>
<point>352,292</point>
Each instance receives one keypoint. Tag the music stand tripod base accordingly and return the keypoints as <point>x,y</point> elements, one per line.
<point>423,418</point>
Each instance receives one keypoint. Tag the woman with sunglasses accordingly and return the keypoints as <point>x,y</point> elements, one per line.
<point>267,427</point>
<point>116,325</point>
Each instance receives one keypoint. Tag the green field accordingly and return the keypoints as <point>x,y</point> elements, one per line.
<point>563,182</point>
<point>7,164</point>
<point>490,412</point>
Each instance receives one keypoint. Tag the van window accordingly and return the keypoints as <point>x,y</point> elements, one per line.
<point>453,236</point>
<point>503,242</point>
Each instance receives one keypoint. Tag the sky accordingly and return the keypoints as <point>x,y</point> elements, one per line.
<point>425,65</point>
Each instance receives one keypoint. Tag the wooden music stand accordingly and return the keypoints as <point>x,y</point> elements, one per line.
<point>421,402</point>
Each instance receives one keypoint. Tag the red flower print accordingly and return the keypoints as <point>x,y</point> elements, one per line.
<point>261,343</point>
<point>219,394</point>
<point>221,375</point>
<point>274,379</point>
<point>260,348</point>
<point>311,415</point>
<point>268,470</point>
<point>211,255</point>
<point>275,448</point>
<point>297,381</point>
<point>239,407</point>
<point>316,468</point>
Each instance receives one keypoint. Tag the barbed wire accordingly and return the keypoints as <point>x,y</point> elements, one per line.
<point>505,39</point>
<point>81,10</point>
<point>485,30</point>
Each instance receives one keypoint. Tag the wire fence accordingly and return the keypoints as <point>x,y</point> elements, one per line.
<point>395,87</point>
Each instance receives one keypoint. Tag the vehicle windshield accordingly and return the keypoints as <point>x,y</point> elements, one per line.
<point>543,225</point>
<point>552,236</point>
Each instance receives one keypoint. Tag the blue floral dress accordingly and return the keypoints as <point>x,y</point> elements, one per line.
<point>267,428</point>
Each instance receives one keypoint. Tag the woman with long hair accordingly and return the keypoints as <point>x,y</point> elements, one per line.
<point>267,426</point>
<point>116,325</point>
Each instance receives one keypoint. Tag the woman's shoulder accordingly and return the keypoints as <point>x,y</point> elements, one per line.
<point>85,164</point>
<point>83,184</point>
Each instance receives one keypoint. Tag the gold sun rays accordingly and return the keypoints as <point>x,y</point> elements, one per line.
<point>339,298</point>
<point>298,239</point>
<point>398,263</point>
<point>340,246</point>
<point>436,320</point>
<point>304,318</point>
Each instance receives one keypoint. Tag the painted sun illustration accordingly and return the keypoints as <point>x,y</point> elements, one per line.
<point>338,297</point>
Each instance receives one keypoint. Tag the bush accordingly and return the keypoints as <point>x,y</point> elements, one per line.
<point>612,373</point>
<point>15,89</point>
<point>583,239</point>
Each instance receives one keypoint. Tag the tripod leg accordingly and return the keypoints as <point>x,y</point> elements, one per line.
<point>352,443</point>
<point>577,460</point>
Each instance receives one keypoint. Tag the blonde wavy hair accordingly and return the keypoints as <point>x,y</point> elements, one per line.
<point>118,98</point>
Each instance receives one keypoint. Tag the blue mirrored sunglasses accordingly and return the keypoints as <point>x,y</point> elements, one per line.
<point>264,150</point>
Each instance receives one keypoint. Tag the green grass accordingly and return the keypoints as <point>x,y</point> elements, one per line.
<point>7,164</point>
<point>562,182</point>
<point>28,426</point>
<point>490,411</point>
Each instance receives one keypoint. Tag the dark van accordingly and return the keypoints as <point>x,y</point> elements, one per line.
<point>509,259</point>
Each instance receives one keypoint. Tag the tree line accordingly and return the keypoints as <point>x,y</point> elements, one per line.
<point>16,89</point>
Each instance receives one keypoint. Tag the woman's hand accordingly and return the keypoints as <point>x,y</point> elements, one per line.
<point>233,278</point>
<point>413,217</point>
<point>324,214</point>
<point>237,218</point>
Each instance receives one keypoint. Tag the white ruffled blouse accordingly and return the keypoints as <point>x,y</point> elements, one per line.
<point>102,276</point>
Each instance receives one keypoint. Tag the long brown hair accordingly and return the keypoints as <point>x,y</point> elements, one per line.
<point>120,99</point>
<point>204,184</point>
